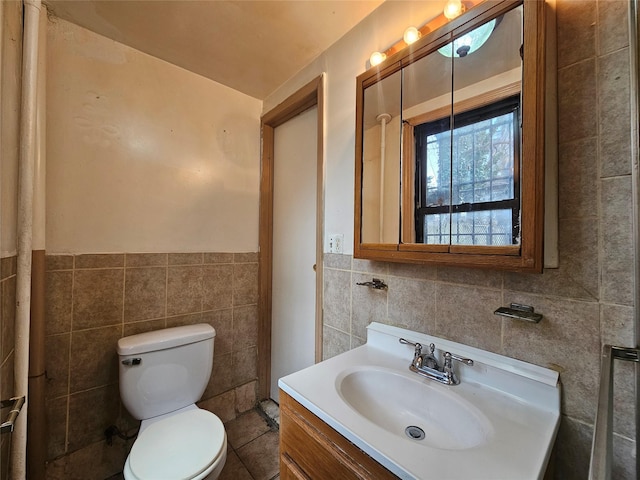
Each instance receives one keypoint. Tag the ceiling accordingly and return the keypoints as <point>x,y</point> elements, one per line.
<point>252,46</point>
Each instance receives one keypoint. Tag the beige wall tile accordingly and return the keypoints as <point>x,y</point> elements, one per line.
<point>246,397</point>
<point>573,446</point>
<point>142,327</point>
<point>248,257</point>
<point>185,258</point>
<point>8,267</point>
<point>471,276</point>
<point>212,257</point>
<point>408,270</point>
<point>181,320</point>
<point>624,461</point>
<point>146,259</point>
<point>576,26</point>
<point>97,298</point>
<point>245,283</point>
<point>369,266</point>
<point>616,325</point>
<point>578,178</point>
<point>99,260</point>
<point>558,282</point>
<point>568,340</point>
<point>222,376</point>
<point>90,413</point>
<point>58,298</point>
<point>367,305</point>
<point>222,322</point>
<point>57,349</point>
<point>184,290</point>
<point>94,361</point>
<point>334,342</point>
<point>7,375</point>
<point>145,293</point>
<point>59,262</point>
<point>578,247</point>
<point>8,316</point>
<point>96,461</point>
<point>245,364</point>
<point>217,285</point>
<point>614,113</point>
<point>245,327</point>
<point>613,25</point>
<point>465,315</point>
<point>56,412</point>
<point>337,299</point>
<point>337,261</point>
<point>577,112</point>
<point>412,304</point>
<point>617,270</point>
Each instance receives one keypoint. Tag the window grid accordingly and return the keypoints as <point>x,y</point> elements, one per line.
<point>484,200</point>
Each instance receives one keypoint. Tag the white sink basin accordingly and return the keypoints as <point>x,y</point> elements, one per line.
<point>406,407</point>
<point>500,422</point>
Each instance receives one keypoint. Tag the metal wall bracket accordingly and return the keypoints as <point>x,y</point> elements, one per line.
<point>15,405</point>
<point>375,283</point>
<point>520,312</point>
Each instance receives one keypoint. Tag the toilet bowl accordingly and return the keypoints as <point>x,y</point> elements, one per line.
<point>162,374</point>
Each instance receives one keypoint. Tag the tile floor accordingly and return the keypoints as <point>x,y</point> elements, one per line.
<point>253,448</point>
<point>252,452</point>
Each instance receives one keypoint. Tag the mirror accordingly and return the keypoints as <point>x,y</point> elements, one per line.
<point>449,164</point>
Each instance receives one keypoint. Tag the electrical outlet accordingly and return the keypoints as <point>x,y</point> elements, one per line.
<point>336,242</point>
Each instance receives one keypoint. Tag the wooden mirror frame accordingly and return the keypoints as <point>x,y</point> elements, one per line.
<point>528,256</point>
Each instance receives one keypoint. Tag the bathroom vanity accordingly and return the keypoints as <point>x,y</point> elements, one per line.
<point>309,448</point>
<point>365,415</point>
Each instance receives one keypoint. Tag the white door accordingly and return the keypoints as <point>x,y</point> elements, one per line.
<point>294,247</point>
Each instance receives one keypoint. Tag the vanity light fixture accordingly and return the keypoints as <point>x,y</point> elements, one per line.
<point>453,9</point>
<point>377,58</point>
<point>411,34</point>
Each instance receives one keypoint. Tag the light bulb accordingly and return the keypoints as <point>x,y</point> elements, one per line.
<point>411,34</point>
<point>377,58</point>
<point>453,8</point>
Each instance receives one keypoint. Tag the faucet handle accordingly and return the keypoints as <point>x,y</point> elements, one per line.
<point>418,346</point>
<point>448,356</point>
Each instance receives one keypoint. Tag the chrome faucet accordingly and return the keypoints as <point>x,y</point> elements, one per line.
<point>426,364</point>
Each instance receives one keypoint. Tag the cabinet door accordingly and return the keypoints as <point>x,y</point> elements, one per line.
<point>289,470</point>
<point>309,448</point>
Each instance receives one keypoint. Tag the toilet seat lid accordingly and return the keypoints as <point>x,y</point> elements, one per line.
<point>178,447</point>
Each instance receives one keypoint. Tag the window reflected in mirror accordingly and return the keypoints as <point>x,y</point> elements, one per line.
<point>463,140</point>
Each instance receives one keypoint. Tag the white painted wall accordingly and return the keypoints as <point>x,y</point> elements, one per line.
<point>343,62</point>
<point>143,156</point>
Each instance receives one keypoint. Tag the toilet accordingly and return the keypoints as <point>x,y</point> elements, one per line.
<point>162,374</point>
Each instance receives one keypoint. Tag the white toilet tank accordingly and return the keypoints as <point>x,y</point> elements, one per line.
<point>165,370</point>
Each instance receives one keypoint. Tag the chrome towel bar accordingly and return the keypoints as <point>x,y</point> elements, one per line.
<point>602,446</point>
<point>15,404</point>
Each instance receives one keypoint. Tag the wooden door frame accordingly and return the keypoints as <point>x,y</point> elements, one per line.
<point>307,97</point>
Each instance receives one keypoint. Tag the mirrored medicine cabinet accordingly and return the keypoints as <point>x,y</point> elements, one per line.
<point>450,144</point>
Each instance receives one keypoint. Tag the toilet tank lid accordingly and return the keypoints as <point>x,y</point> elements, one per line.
<point>165,338</point>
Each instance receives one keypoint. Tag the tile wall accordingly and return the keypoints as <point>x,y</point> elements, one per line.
<point>8,268</point>
<point>93,300</point>
<point>587,301</point>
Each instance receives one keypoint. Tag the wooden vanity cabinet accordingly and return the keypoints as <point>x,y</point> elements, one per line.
<point>311,449</point>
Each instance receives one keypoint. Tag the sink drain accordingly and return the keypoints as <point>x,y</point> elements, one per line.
<point>414,433</point>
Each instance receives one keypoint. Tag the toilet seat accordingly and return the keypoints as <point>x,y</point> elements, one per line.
<point>179,447</point>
